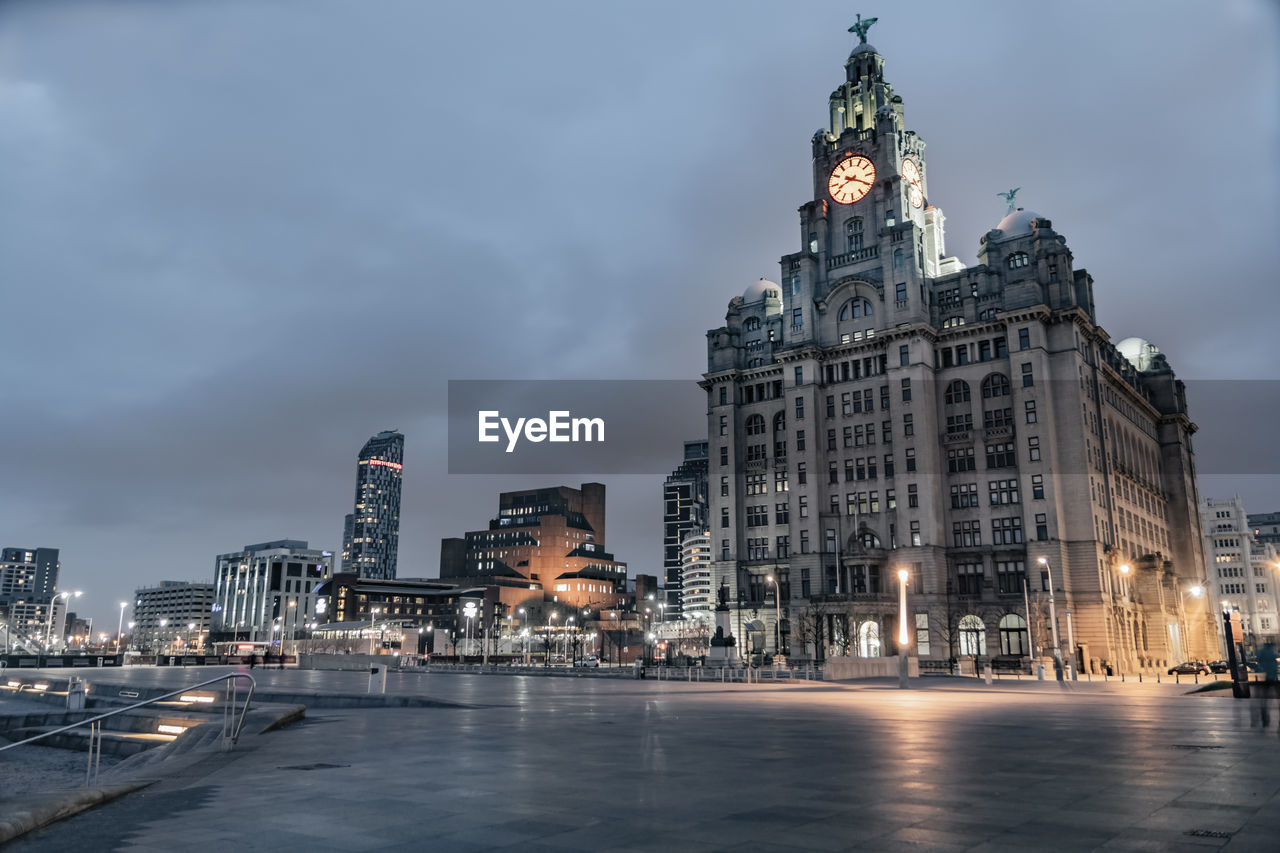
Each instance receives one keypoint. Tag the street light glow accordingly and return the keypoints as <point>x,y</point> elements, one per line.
<point>1125,569</point>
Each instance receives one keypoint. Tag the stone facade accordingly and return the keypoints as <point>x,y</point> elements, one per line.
<point>887,408</point>
<point>1242,570</point>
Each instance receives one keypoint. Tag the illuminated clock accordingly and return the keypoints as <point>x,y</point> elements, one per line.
<point>851,179</point>
<point>911,174</point>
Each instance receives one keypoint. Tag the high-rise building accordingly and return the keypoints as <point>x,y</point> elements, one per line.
<point>886,408</point>
<point>171,617</point>
<point>371,534</point>
<point>272,588</point>
<point>697,599</point>
<point>684,501</point>
<point>28,581</point>
<point>544,543</point>
<point>1242,569</point>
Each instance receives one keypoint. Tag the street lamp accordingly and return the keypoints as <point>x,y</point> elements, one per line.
<point>120,624</point>
<point>1053,617</point>
<point>373,619</point>
<point>48,631</point>
<point>903,637</point>
<point>546,657</point>
<point>777,601</point>
<point>567,623</point>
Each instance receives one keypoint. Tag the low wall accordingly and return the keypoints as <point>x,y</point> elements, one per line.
<point>841,668</point>
<point>347,662</point>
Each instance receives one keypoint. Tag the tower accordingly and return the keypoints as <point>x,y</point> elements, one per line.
<point>371,534</point>
<point>886,408</point>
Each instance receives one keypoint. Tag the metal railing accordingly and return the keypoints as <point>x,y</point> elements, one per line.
<point>231,726</point>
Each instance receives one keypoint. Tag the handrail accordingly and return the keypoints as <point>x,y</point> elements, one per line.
<point>235,733</point>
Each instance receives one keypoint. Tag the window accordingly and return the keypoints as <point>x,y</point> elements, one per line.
<point>756,484</point>
<point>804,507</point>
<point>784,550</point>
<point>1006,531</point>
<point>962,354</point>
<point>899,259</point>
<point>853,234</point>
<point>891,499</point>
<point>799,408</point>
<point>1013,635</point>
<point>959,423</point>
<point>957,392</point>
<point>848,435</point>
<point>900,291</point>
<point>724,424</point>
<point>913,498</point>
<point>799,375</point>
<point>1009,574</point>
<point>782,514</point>
<point>754,425</point>
<point>908,426</point>
<point>1000,455</point>
<point>915,533</point>
<point>1017,260</point>
<point>906,390</point>
<point>724,456</point>
<point>904,355</point>
<point>1002,492</point>
<point>969,578</point>
<point>1033,448</point>
<point>1042,526</point>
<point>802,473</point>
<point>1024,339</point>
<point>973,636</point>
<point>724,516</point>
<point>964,495</point>
<point>724,549</point>
<point>758,516</point>
<point>724,394</point>
<point>959,460</point>
<point>884,398</point>
<point>995,385</point>
<point>797,317</point>
<point>1037,487</point>
<point>888,464</point>
<point>757,452</point>
<point>780,483</point>
<point>855,308</point>
<point>1030,406</point>
<point>799,439</point>
<point>966,534</point>
<point>922,633</point>
<point>833,475</point>
<point>724,487</point>
<point>993,418</point>
<point>1027,378</point>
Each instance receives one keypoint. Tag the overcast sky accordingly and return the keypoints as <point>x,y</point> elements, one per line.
<point>238,238</point>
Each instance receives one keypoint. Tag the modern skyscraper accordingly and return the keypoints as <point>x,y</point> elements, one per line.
<point>371,534</point>
<point>684,501</point>
<point>887,409</point>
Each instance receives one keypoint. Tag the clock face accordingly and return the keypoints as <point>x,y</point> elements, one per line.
<point>915,190</point>
<point>851,179</point>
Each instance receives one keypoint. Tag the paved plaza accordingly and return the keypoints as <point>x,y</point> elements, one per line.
<point>536,763</point>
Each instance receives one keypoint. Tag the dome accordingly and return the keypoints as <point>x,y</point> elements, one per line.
<point>1016,224</point>
<point>862,48</point>
<point>1138,352</point>
<point>762,289</point>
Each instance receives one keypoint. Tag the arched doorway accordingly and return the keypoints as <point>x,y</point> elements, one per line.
<point>869,639</point>
<point>973,636</point>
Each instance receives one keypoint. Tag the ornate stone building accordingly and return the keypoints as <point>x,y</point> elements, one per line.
<point>885,407</point>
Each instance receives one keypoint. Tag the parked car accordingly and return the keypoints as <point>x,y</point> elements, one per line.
<point>1190,667</point>
<point>1219,666</point>
<point>589,661</point>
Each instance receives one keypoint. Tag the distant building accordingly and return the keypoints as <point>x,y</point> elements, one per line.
<point>1242,574</point>
<point>28,580</point>
<point>695,563</point>
<point>268,583</point>
<point>371,534</point>
<point>684,501</point>
<point>545,544</point>
<point>1266,527</point>
<point>649,595</point>
<point>172,617</point>
<point>436,607</point>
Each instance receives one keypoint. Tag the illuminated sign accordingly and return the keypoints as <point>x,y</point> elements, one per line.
<point>395,466</point>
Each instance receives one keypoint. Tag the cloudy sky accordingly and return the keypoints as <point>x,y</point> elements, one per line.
<point>238,238</point>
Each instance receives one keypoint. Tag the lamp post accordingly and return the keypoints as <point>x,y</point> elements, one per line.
<point>120,624</point>
<point>777,602</point>
<point>1053,619</point>
<point>524,631</point>
<point>373,618</point>
<point>546,655</point>
<point>48,631</point>
<point>160,633</point>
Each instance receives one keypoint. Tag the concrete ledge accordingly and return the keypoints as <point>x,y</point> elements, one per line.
<point>32,812</point>
<point>843,668</point>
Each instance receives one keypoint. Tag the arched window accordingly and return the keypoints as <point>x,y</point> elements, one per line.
<point>752,324</point>
<point>957,392</point>
<point>995,385</point>
<point>866,539</point>
<point>899,260</point>
<point>987,314</point>
<point>1017,259</point>
<point>1013,635</point>
<point>869,640</point>
<point>853,234</point>
<point>973,636</point>
<point>755,425</point>
<point>780,422</point>
<point>952,322</point>
<point>855,308</point>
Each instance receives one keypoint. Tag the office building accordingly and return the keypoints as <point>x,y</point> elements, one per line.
<point>1242,570</point>
<point>171,617</point>
<point>684,500</point>
<point>265,590</point>
<point>28,581</point>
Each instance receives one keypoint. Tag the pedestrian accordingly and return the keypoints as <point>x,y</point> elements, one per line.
<point>1270,685</point>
